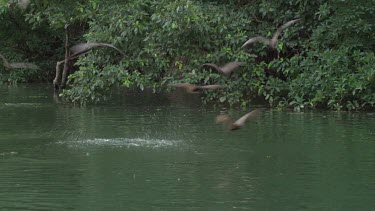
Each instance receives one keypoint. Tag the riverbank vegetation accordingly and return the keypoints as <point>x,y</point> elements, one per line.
<point>326,60</point>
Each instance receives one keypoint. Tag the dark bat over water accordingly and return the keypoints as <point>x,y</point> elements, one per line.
<point>18,65</point>
<point>226,69</point>
<point>83,48</point>
<point>191,88</point>
<point>226,119</point>
<point>271,42</point>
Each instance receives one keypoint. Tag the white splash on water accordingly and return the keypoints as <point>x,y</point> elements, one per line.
<point>8,153</point>
<point>124,142</point>
<point>24,104</point>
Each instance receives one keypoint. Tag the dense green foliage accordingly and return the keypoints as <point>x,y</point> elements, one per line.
<point>324,61</point>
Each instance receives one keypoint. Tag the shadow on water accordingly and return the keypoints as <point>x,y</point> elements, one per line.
<point>163,151</point>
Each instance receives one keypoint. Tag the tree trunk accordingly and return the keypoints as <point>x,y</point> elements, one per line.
<point>66,63</point>
<point>65,73</point>
<point>60,79</point>
<point>57,80</point>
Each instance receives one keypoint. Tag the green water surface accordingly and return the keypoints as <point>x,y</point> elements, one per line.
<point>145,151</point>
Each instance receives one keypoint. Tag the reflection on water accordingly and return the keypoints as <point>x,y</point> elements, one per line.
<point>163,152</point>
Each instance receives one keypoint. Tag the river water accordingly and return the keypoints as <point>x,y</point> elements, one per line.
<point>145,151</point>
